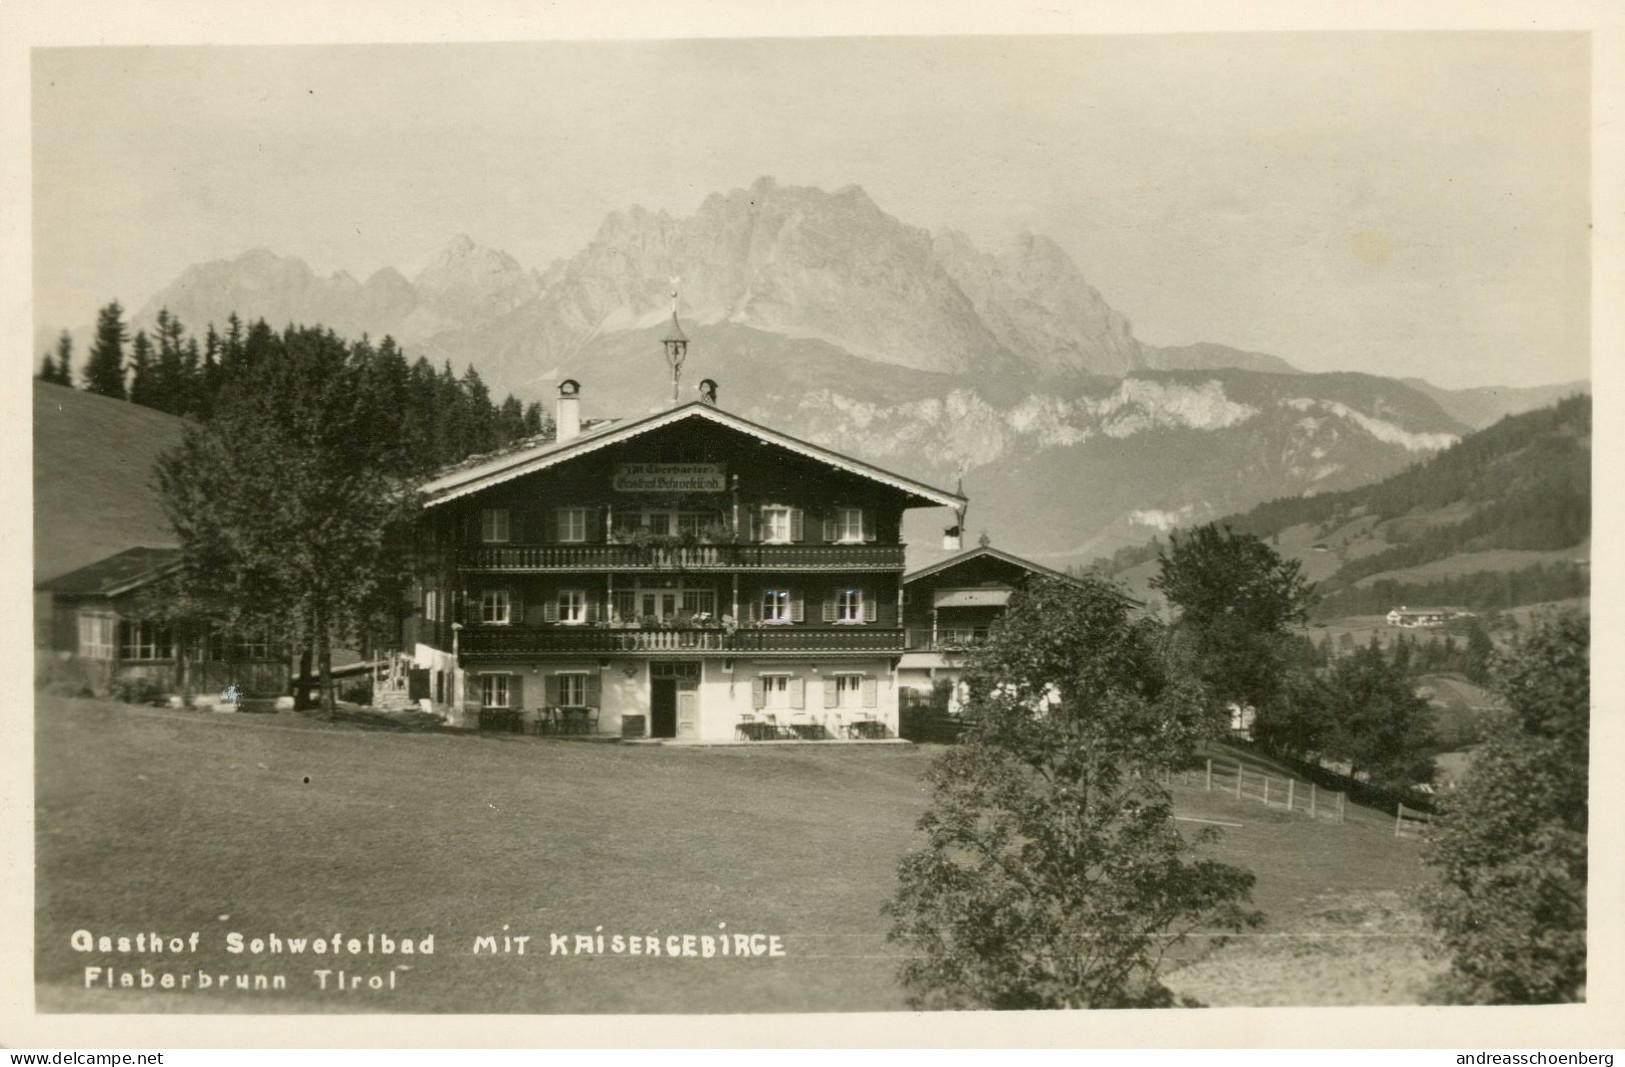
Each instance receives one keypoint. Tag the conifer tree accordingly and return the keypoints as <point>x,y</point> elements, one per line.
<point>104,368</point>
<point>145,382</point>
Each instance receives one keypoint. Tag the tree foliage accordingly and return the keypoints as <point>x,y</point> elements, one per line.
<point>1510,848</point>
<point>1375,721</point>
<point>289,503</point>
<point>1053,875</point>
<point>1236,596</point>
<point>104,367</point>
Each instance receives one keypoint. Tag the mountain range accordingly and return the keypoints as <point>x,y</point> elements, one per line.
<point>820,313</point>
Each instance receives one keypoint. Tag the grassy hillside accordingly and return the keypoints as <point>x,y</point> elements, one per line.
<point>181,821</point>
<point>93,460</point>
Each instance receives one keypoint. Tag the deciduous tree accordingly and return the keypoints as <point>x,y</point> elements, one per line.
<point>287,510</point>
<point>1053,875</point>
<point>1510,847</point>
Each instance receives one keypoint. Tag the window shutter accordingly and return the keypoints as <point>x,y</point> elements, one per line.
<point>550,525</point>
<point>830,598</point>
<point>831,531</point>
<point>516,691</point>
<point>758,693</point>
<point>592,606</point>
<point>552,684</point>
<point>798,525</point>
<point>832,695</point>
<point>798,607</point>
<point>594,687</point>
<point>869,606</point>
<point>867,523</point>
<point>516,606</point>
<point>798,693</point>
<point>550,609</point>
<point>756,608</point>
<point>870,692</point>
<point>753,524</point>
<point>595,526</point>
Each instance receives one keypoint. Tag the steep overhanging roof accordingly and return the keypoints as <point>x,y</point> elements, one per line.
<point>988,552</point>
<point>116,574</point>
<point>452,484</point>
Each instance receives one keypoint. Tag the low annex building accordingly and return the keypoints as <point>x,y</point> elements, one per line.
<point>949,608</point>
<point>690,575</point>
<point>106,622</point>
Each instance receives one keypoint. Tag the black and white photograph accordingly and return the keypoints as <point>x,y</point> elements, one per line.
<point>629,521</point>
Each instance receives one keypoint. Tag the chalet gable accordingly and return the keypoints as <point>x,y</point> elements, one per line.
<point>468,479</point>
<point>982,566</point>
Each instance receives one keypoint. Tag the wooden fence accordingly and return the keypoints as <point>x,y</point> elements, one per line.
<point>1410,821</point>
<point>1245,784</point>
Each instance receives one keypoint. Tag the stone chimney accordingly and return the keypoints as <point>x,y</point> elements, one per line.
<point>567,423</point>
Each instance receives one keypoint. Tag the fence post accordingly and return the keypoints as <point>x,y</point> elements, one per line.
<point>1266,790</point>
<point>1399,818</point>
<point>1340,798</point>
<point>1291,783</point>
<point>1238,780</point>
<point>1312,791</point>
<point>1210,776</point>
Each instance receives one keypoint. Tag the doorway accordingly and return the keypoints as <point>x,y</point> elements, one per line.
<point>674,700</point>
<point>663,707</point>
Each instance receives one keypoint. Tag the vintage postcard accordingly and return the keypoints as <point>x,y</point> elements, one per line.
<point>666,526</point>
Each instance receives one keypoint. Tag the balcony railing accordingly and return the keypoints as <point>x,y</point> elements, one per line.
<point>946,638</point>
<point>565,640</point>
<point>537,558</point>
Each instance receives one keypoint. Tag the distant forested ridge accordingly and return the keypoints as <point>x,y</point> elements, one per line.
<point>1523,483</point>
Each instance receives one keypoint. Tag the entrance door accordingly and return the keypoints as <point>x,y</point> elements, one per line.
<point>688,709</point>
<point>663,707</point>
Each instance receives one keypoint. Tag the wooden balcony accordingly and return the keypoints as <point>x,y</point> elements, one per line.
<point>946,638</point>
<point>498,641</point>
<point>536,559</point>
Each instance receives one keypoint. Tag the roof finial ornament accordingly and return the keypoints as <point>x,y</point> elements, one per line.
<point>675,342</point>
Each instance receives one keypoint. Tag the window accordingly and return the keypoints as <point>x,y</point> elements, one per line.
<point>494,606</point>
<point>572,690</point>
<point>849,606</point>
<point>776,605</point>
<point>695,522</point>
<point>776,688</point>
<point>849,690</point>
<point>573,524</point>
<point>776,525</point>
<point>493,690</point>
<point>572,606</point>
<point>494,525</point>
<point>849,525</point>
<point>252,647</point>
<point>96,634</point>
<point>431,605</point>
<point>700,601</point>
<point>144,641</point>
<point>624,603</point>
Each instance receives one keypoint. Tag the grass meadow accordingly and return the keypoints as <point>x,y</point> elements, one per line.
<point>174,822</point>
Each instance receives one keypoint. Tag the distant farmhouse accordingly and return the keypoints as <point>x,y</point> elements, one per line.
<point>688,575</point>
<point>1425,617</point>
<point>950,607</point>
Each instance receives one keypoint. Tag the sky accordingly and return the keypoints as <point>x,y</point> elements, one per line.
<point>1396,203</point>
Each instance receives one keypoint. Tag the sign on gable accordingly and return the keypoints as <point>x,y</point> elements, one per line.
<point>669,478</point>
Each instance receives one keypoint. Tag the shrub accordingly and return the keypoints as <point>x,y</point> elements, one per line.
<point>137,689</point>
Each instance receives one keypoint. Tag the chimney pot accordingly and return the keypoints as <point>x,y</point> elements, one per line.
<point>567,423</point>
